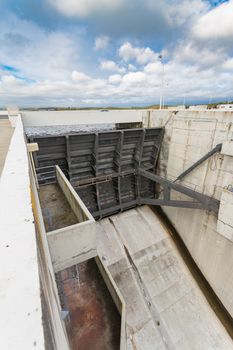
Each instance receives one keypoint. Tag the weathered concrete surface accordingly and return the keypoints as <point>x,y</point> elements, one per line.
<point>188,136</point>
<point>79,208</point>
<point>227,148</point>
<point>72,245</point>
<point>71,229</point>
<point>6,132</point>
<point>57,212</point>
<point>94,321</point>
<point>48,118</point>
<point>225,216</point>
<point>54,327</point>
<point>164,307</point>
<point>117,298</point>
<point>20,303</point>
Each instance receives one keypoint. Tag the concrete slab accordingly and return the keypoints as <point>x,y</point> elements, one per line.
<point>164,307</point>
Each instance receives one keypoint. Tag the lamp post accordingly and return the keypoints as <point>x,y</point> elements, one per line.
<point>161,101</point>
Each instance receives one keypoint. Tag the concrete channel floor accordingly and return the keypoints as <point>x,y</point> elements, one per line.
<point>94,321</point>
<point>57,212</point>
<point>164,307</point>
<point>6,131</point>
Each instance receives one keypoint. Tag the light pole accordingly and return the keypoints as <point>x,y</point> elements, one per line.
<point>161,101</point>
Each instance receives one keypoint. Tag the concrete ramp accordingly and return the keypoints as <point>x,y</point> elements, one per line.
<point>164,307</point>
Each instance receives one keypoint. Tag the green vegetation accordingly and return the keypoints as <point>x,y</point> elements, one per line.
<point>214,105</point>
<point>91,108</point>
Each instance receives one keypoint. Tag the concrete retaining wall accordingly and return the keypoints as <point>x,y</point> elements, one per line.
<point>76,243</point>
<point>49,118</point>
<point>72,245</point>
<point>20,303</point>
<point>55,327</point>
<point>190,135</point>
<point>117,298</point>
<point>72,197</point>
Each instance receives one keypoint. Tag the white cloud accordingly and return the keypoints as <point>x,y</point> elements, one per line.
<point>180,12</point>
<point>154,67</point>
<point>228,64</point>
<point>190,53</point>
<point>131,88</point>
<point>142,55</point>
<point>115,79</point>
<point>84,8</point>
<point>131,67</point>
<point>111,66</point>
<point>10,80</point>
<point>79,76</point>
<point>36,53</point>
<point>134,78</point>
<point>101,42</point>
<point>216,24</point>
<point>59,65</point>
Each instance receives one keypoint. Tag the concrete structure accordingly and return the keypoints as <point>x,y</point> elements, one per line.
<point>190,135</point>
<point>198,107</point>
<point>161,305</point>
<point>227,106</point>
<point>176,108</point>
<point>3,114</point>
<point>6,132</point>
<point>48,118</point>
<point>20,303</point>
<point>164,307</point>
<point>55,336</point>
<point>72,244</point>
<point>118,300</point>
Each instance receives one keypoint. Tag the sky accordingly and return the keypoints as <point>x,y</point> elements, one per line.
<point>80,53</point>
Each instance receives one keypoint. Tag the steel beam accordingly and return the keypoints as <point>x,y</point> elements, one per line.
<point>216,149</point>
<point>114,170</point>
<point>204,201</point>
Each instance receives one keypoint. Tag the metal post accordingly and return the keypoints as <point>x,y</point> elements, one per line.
<point>161,102</point>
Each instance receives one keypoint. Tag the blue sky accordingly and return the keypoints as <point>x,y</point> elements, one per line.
<point>105,52</point>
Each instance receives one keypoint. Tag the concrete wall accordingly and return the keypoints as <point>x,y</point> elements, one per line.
<point>56,337</point>
<point>72,245</point>
<point>76,243</point>
<point>49,118</point>
<point>117,298</point>
<point>20,303</point>
<point>189,135</point>
<point>77,205</point>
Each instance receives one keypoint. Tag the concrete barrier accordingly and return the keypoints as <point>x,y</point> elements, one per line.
<point>21,321</point>
<point>54,325</point>
<point>117,298</point>
<point>73,244</point>
<point>52,118</point>
<point>77,205</point>
<point>209,238</point>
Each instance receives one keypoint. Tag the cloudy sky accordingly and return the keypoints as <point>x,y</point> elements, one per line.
<point>106,52</point>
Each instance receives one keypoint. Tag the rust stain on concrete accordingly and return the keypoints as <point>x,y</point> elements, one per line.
<point>94,321</point>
